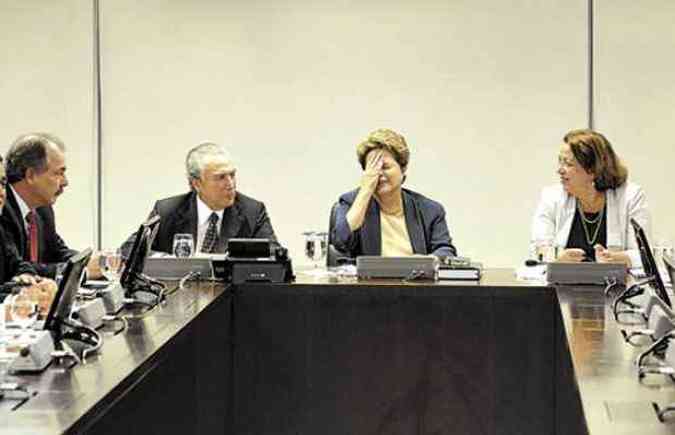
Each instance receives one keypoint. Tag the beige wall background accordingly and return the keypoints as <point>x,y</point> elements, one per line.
<point>482,90</point>
<point>635,94</point>
<point>46,81</point>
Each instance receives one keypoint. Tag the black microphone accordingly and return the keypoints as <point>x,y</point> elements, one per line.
<point>531,262</point>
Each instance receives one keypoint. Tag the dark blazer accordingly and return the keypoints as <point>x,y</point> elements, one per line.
<point>424,218</point>
<point>10,263</point>
<point>246,218</point>
<point>51,247</point>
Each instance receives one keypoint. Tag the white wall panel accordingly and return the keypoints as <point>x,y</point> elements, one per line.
<point>46,85</point>
<point>635,95</point>
<point>482,90</point>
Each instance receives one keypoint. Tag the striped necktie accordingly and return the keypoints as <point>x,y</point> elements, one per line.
<point>211,237</point>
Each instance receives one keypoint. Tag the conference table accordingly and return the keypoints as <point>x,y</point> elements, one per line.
<point>499,356</point>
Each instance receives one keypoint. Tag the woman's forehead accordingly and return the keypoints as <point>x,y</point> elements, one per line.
<point>565,150</point>
<point>387,156</point>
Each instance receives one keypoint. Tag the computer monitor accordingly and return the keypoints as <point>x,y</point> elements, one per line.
<point>670,267</point>
<point>139,252</point>
<point>59,310</point>
<point>649,264</point>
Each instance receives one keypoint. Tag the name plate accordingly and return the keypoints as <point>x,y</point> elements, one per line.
<point>409,268</point>
<point>172,268</point>
<point>585,273</point>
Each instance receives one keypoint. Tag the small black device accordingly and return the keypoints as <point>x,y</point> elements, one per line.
<point>254,260</point>
<point>58,320</point>
<point>669,262</point>
<point>133,280</point>
<point>250,248</point>
<point>649,264</point>
<point>62,304</point>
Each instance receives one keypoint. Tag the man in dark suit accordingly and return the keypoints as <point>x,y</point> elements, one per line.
<point>13,268</point>
<point>213,211</point>
<point>36,172</point>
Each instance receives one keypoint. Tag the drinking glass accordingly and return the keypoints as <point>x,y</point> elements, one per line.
<point>58,275</point>
<point>321,239</point>
<point>111,263</point>
<point>183,245</point>
<point>22,310</point>
<point>316,246</point>
<point>547,252</point>
<point>662,246</point>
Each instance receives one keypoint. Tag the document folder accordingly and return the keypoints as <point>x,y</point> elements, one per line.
<point>471,272</point>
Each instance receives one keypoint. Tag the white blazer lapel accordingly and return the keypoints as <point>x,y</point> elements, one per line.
<point>615,220</point>
<point>565,219</point>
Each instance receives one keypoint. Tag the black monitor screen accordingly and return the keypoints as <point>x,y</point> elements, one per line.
<point>65,295</point>
<point>649,264</point>
<point>670,267</point>
<point>140,250</point>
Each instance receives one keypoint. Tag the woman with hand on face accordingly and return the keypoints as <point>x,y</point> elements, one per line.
<point>588,214</point>
<point>382,218</point>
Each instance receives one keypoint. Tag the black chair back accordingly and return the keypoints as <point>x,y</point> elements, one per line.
<point>332,254</point>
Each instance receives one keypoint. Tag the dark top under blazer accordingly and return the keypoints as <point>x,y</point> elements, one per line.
<point>10,262</point>
<point>246,218</point>
<point>52,250</point>
<point>424,218</point>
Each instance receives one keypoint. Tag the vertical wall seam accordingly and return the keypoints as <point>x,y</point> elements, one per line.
<point>97,125</point>
<point>591,65</point>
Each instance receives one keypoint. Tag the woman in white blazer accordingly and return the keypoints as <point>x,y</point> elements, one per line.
<point>587,216</point>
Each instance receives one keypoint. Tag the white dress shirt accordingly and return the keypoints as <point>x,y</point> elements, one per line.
<point>203,214</point>
<point>554,215</point>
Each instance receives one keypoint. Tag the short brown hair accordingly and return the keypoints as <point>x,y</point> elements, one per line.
<point>386,139</point>
<point>595,154</point>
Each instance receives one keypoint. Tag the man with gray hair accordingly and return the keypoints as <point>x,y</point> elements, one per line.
<point>213,211</point>
<point>36,176</point>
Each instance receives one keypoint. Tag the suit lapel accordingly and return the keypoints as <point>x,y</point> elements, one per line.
<point>41,240</point>
<point>615,221</point>
<point>230,226</point>
<point>186,219</point>
<point>371,232</point>
<point>191,218</point>
<point>414,225</point>
<point>12,216</point>
<point>566,218</point>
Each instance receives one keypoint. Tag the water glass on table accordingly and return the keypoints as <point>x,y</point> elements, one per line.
<point>546,252</point>
<point>58,274</point>
<point>23,311</point>
<point>183,245</point>
<point>111,263</point>
<point>316,246</point>
<point>663,246</point>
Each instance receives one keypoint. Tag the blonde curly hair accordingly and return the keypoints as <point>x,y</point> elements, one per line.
<point>385,139</point>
